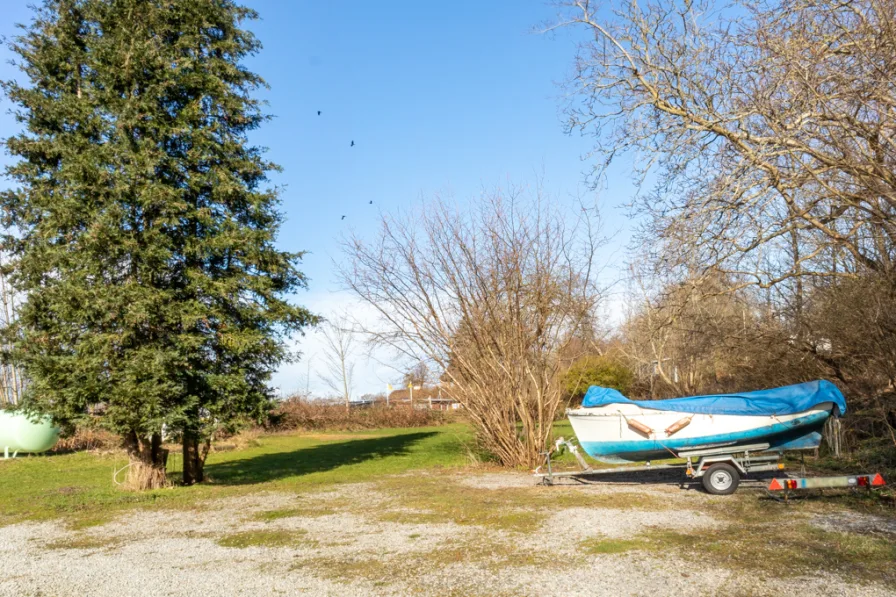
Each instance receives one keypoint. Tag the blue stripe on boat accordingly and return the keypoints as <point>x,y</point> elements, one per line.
<point>799,433</point>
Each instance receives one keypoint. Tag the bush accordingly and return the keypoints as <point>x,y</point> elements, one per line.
<point>299,413</point>
<point>596,370</point>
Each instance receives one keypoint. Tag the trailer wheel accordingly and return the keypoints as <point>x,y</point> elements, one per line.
<point>721,479</point>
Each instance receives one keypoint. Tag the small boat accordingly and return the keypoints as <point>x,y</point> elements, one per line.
<point>611,428</point>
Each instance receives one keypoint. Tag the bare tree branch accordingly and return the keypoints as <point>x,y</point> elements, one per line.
<point>491,295</point>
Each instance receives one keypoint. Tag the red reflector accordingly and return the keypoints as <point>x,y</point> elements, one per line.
<point>774,485</point>
<point>863,481</point>
<point>791,483</point>
<point>878,480</point>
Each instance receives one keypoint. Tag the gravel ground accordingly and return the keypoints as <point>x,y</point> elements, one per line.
<point>855,522</point>
<point>172,553</point>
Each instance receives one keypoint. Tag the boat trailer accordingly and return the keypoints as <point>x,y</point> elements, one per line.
<point>719,469</point>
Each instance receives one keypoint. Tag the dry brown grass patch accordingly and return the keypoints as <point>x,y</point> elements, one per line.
<point>88,438</point>
<point>142,477</point>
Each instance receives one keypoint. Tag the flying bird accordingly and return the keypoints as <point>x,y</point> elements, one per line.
<point>371,202</point>
<point>343,217</point>
<point>318,112</point>
<point>353,144</point>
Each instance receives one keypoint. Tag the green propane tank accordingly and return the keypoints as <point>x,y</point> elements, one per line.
<point>20,434</point>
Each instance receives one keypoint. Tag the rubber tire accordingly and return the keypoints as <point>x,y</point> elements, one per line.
<point>718,468</point>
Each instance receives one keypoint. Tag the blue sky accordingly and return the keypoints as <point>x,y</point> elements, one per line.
<point>438,97</point>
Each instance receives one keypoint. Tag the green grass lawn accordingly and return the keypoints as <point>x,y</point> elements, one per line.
<point>79,486</point>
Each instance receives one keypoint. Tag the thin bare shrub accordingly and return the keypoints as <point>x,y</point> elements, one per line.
<point>491,294</point>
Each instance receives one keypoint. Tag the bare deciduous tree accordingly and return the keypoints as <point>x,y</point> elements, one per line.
<point>856,318</point>
<point>771,127</point>
<point>491,294</point>
<point>339,337</point>
<point>417,375</point>
<point>768,133</point>
<point>12,381</point>
<point>698,337</point>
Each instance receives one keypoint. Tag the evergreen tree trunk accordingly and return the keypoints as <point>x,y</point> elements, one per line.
<point>195,453</point>
<point>147,461</point>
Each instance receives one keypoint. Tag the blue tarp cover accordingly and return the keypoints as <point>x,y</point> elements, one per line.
<point>777,401</point>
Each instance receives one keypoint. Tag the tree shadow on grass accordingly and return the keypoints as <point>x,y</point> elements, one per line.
<point>315,459</point>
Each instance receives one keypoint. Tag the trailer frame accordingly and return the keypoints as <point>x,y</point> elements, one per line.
<point>719,468</point>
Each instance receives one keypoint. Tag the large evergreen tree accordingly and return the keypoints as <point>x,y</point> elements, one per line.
<point>141,227</point>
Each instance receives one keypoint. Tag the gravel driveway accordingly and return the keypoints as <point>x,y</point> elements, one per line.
<point>284,544</point>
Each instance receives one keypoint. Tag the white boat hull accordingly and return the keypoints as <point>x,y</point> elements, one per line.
<point>627,432</point>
